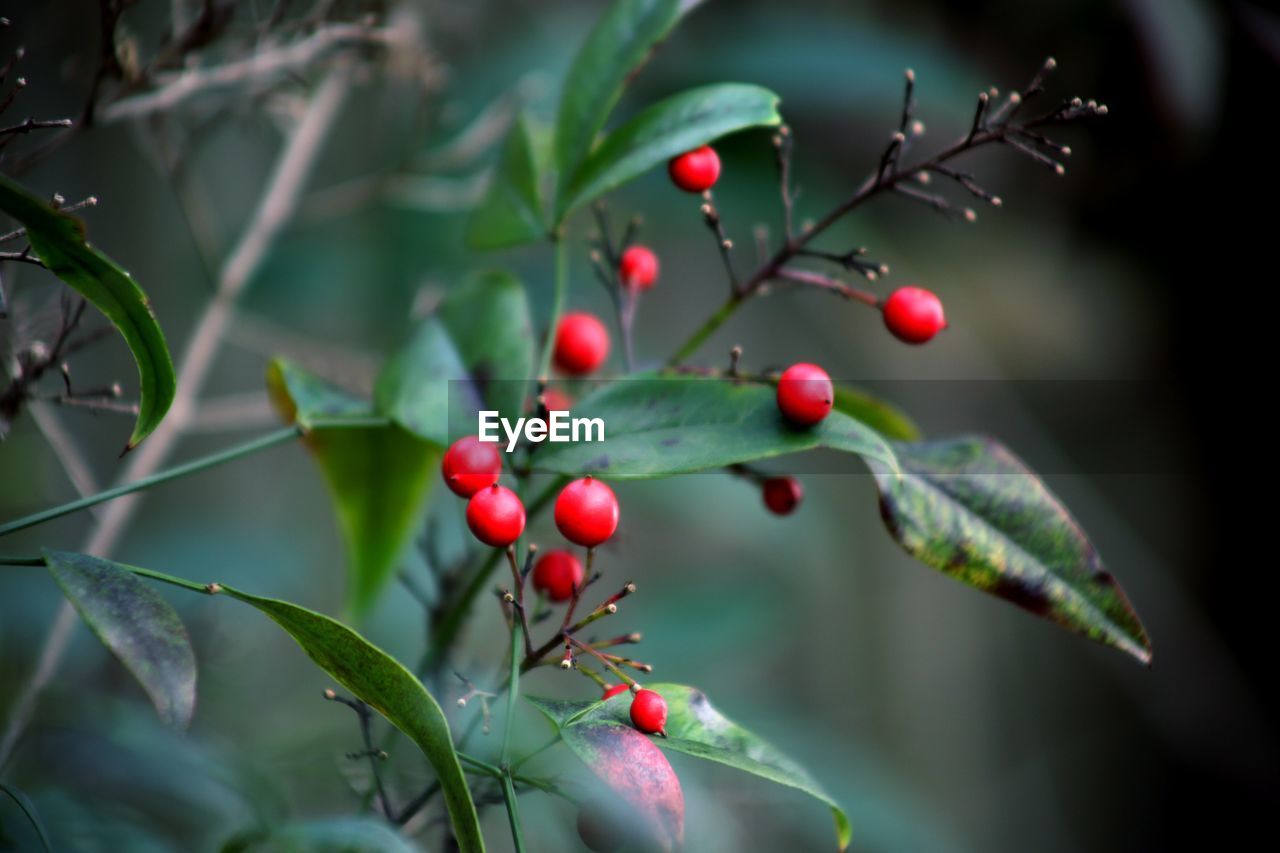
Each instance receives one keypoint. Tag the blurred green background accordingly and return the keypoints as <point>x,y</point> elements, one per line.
<point>943,719</point>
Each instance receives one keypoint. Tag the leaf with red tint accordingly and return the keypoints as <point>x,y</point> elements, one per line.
<point>636,770</point>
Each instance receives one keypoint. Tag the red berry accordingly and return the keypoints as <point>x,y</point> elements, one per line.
<point>695,171</point>
<point>587,512</point>
<point>805,394</point>
<point>782,495</point>
<point>914,315</point>
<point>557,574</point>
<point>597,831</point>
<point>639,268</point>
<point>613,690</point>
<point>496,516</point>
<point>649,712</point>
<point>582,343</point>
<point>470,465</point>
<point>557,400</point>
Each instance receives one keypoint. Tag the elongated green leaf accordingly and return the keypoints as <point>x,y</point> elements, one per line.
<point>379,476</point>
<point>488,319</point>
<point>696,728</point>
<point>424,386</point>
<point>511,211</point>
<point>382,682</point>
<point>669,127</point>
<point>661,424</point>
<point>622,40</point>
<point>325,835</point>
<point>971,509</point>
<point>58,240</point>
<point>137,625</point>
<point>28,809</point>
<point>884,418</point>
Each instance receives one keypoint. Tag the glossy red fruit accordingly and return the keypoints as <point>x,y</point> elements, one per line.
<point>557,400</point>
<point>470,465</point>
<point>582,343</point>
<point>695,171</point>
<point>914,315</point>
<point>598,832</point>
<point>557,574</point>
<point>496,516</point>
<point>649,712</point>
<point>587,512</point>
<point>782,494</point>
<point>613,690</point>
<point>638,268</point>
<point>805,394</point>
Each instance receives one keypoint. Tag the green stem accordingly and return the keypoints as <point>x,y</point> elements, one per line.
<point>443,637</point>
<point>707,329</point>
<point>193,467</point>
<point>171,580</point>
<point>483,766</point>
<point>557,304</point>
<point>206,589</point>
<point>350,422</point>
<point>513,693</point>
<point>513,812</point>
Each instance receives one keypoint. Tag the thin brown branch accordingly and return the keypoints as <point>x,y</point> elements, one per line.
<point>265,65</point>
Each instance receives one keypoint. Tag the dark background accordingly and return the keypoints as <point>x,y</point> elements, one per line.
<point>943,719</point>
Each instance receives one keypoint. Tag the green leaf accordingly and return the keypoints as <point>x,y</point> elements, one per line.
<point>635,770</point>
<point>511,211</point>
<point>424,388</point>
<point>324,835</point>
<point>884,418</point>
<point>379,476</point>
<point>620,43</point>
<point>560,711</point>
<point>971,509</point>
<point>669,127</point>
<point>136,624</point>
<point>657,425</point>
<point>488,320</point>
<point>696,728</point>
<point>28,810</point>
<point>58,240</point>
<point>385,685</point>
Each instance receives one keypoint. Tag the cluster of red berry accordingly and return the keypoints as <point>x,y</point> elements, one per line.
<point>586,513</point>
<point>586,510</point>
<point>912,314</point>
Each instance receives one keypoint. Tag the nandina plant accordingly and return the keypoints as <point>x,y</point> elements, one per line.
<point>965,506</point>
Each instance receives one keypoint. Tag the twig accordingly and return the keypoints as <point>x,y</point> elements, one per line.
<point>784,142</point>
<point>91,201</point>
<point>271,63</point>
<point>274,210</point>
<point>31,124</point>
<point>712,217</point>
<point>375,755</point>
<point>823,282</point>
<point>518,579</point>
<point>23,257</point>
<point>891,176</point>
